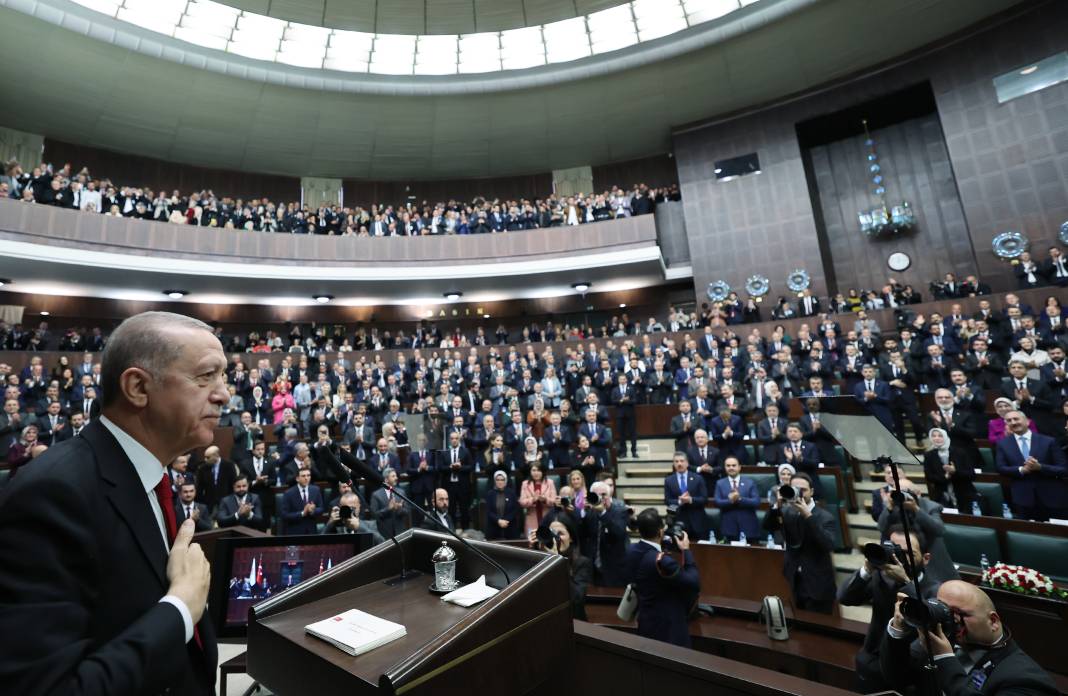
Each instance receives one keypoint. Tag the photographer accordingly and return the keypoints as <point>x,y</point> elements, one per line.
<point>877,582</point>
<point>345,519</point>
<point>925,516</point>
<point>560,536</point>
<point>665,578</point>
<point>808,534</point>
<point>605,538</point>
<point>978,656</point>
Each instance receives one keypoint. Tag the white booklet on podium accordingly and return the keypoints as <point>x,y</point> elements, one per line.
<point>356,632</point>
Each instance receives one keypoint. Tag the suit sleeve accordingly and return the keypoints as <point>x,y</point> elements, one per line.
<point>46,569</point>
<point>720,496</point>
<point>1004,465</point>
<point>699,496</point>
<point>821,529</point>
<point>669,498</point>
<point>855,591</point>
<point>751,499</point>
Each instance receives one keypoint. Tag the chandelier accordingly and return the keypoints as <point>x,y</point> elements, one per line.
<point>882,220</point>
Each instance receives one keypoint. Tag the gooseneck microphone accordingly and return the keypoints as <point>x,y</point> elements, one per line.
<point>344,464</point>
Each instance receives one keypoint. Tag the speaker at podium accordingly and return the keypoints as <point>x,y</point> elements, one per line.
<point>512,643</point>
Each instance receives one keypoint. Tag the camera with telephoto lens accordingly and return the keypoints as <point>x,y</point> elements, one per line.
<point>882,555</point>
<point>565,501</point>
<point>788,492</point>
<point>675,530</point>
<point>927,614</point>
<point>546,537</point>
<point>345,512</point>
<point>592,498</point>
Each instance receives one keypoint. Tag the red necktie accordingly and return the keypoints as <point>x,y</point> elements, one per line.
<point>166,502</point>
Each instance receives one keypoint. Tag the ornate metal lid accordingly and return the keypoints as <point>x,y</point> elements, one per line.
<point>443,554</point>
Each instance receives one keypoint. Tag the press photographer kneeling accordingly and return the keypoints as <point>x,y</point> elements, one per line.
<point>559,536</point>
<point>974,653</point>
<point>665,579</point>
<point>878,582</point>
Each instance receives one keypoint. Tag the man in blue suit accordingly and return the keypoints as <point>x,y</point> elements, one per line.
<point>802,456</point>
<point>728,432</point>
<point>875,394</point>
<point>667,584</point>
<point>301,505</point>
<point>686,491</point>
<point>1037,469</point>
<point>737,498</point>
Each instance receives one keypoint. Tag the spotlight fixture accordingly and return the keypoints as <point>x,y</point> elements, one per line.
<point>322,299</point>
<point>45,313</point>
<point>622,305</point>
<point>5,281</point>
<point>176,294</point>
<point>453,295</point>
<point>581,286</point>
<point>485,316</point>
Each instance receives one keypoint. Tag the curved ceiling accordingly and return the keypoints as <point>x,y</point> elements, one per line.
<point>212,113</point>
<point>423,16</point>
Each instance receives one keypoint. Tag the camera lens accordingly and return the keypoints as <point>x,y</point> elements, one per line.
<point>876,554</point>
<point>787,492</point>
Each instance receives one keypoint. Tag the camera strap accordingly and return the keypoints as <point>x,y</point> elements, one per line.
<point>989,661</point>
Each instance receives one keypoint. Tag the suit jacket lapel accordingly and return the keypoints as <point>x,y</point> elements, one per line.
<point>127,496</point>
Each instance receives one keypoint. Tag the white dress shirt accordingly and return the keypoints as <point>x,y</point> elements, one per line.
<point>150,472</point>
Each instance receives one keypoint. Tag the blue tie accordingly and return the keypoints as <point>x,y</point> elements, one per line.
<point>682,483</point>
<point>1025,447</point>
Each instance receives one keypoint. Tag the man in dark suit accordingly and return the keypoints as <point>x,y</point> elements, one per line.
<point>683,426</point>
<point>878,586</point>
<point>187,508</point>
<point>667,583</point>
<point>422,472</point>
<point>874,394</point>
<point>92,602</point>
<point>803,456</point>
<point>961,423</point>
<point>597,434</point>
<point>439,514</point>
<point>241,508</point>
<point>51,424</point>
<point>771,432</point>
<point>558,439</point>
<point>704,460</point>
<point>12,421</point>
<point>1037,468</point>
<point>502,509</point>
<point>987,655</point>
<point>686,491</point>
<point>808,305</point>
<point>77,422</point>
<point>605,537</point>
<point>728,432</point>
<point>260,470</point>
<point>301,505</point>
<point>737,498</point>
<point>624,396</point>
<point>89,405</point>
<point>391,514</point>
<point>808,533</point>
<point>214,478</point>
<point>455,467</point>
<point>246,435</point>
<point>1034,397</point>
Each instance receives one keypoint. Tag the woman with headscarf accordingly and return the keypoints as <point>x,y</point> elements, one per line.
<point>950,469</point>
<point>996,428</point>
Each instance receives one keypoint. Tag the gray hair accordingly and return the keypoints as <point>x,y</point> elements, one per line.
<point>142,341</point>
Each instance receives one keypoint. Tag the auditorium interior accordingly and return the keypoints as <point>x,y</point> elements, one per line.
<point>791,274</point>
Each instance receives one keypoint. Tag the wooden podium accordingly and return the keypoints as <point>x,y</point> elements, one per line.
<point>511,643</point>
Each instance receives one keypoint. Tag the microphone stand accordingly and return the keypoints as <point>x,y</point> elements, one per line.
<point>929,677</point>
<point>370,474</point>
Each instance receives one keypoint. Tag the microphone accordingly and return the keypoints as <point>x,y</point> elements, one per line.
<point>343,464</point>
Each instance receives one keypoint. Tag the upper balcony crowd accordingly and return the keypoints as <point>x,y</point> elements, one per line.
<point>79,190</point>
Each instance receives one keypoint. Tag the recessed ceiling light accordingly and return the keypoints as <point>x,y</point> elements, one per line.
<point>45,313</point>
<point>175,294</point>
<point>5,281</point>
<point>1029,70</point>
<point>717,170</point>
<point>581,286</point>
<point>453,295</point>
<point>622,305</point>
<point>322,299</point>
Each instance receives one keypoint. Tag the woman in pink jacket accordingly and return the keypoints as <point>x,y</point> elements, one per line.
<point>281,401</point>
<point>536,496</point>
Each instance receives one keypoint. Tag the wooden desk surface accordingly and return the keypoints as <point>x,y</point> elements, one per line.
<point>410,605</point>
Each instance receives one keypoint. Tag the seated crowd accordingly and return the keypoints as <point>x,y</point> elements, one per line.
<point>66,188</point>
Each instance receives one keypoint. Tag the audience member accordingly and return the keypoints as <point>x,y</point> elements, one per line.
<point>1037,469</point>
<point>502,509</point>
<point>241,508</point>
<point>666,581</point>
<point>187,508</point>
<point>391,514</point>
<point>737,498</point>
<point>302,504</point>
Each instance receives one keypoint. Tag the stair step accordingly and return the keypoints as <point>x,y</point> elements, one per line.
<point>861,521</point>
